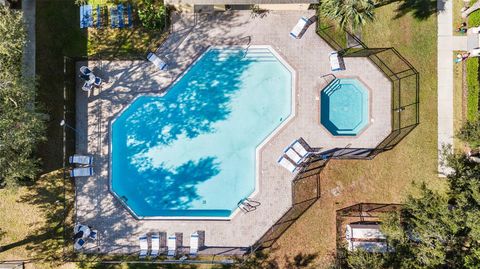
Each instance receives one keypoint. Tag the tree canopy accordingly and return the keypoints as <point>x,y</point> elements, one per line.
<point>21,126</point>
<point>349,14</point>
<point>433,229</point>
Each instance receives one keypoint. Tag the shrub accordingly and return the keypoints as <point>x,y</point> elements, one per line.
<point>152,14</point>
<point>474,19</point>
<point>473,87</point>
<point>470,133</point>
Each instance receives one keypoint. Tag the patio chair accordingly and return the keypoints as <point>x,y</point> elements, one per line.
<point>78,245</point>
<point>129,16</point>
<point>194,244</point>
<point>84,70</point>
<point>287,164</point>
<point>300,149</point>
<point>293,155</point>
<point>172,246</point>
<point>336,62</point>
<point>86,19</point>
<point>81,172</point>
<point>93,234</point>
<point>156,61</point>
<point>121,23</point>
<point>299,28</point>
<point>80,159</point>
<point>98,81</point>
<point>143,246</point>
<point>155,245</point>
<point>87,86</point>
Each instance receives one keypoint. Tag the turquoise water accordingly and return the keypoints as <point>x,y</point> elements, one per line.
<point>344,107</point>
<point>192,151</point>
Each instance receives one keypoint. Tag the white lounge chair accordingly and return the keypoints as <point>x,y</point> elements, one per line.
<point>300,149</point>
<point>156,61</point>
<point>143,246</point>
<point>81,172</point>
<point>78,245</point>
<point>87,86</point>
<point>172,246</point>
<point>335,61</point>
<point>85,70</point>
<point>93,234</point>
<point>293,155</point>
<point>287,164</point>
<point>81,159</point>
<point>298,29</point>
<point>194,244</point>
<point>155,245</point>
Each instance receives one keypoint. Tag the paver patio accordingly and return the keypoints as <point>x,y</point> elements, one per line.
<point>118,230</point>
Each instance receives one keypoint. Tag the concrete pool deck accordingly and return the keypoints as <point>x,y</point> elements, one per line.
<point>118,230</point>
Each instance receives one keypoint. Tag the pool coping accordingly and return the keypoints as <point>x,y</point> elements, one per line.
<point>258,148</point>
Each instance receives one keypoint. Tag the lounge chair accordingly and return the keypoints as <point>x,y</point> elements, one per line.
<point>84,70</point>
<point>98,81</point>
<point>287,164</point>
<point>172,246</point>
<point>335,61</point>
<point>156,61</point>
<point>86,19</point>
<point>299,28</point>
<point>121,23</point>
<point>93,234</point>
<point>81,172</point>
<point>87,86</point>
<point>81,159</point>
<point>114,17</point>
<point>143,246</point>
<point>300,149</point>
<point>79,244</point>
<point>194,244</point>
<point>293,155</point>
<point>155,245</point>
<point>129,15</point>
<point>99,17</point>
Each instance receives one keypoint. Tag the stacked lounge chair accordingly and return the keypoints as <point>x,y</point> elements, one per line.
<point>81,172</point>
<point>293,156</point>
<point>172,246</point>
<point>81,159</point>
<point>143,246</point>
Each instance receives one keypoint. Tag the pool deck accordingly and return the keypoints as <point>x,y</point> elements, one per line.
<point>118,230</point>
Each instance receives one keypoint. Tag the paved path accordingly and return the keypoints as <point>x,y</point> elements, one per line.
<point>446,44</point>
<point>28,7</point>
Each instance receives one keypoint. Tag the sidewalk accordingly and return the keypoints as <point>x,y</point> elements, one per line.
<point>447,43</point>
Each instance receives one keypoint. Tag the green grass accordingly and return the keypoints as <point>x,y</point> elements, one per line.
<point>474,19</point>
<point>458,103</point>
<point>473,87</point>
<point>457,18</point>
<point>388,177</point>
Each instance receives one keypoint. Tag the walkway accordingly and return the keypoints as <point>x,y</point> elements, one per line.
<point>446,44</point>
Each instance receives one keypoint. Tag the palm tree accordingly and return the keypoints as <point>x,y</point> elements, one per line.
<point>350,14</point>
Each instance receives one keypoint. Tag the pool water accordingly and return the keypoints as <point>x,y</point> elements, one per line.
<point>191,152</point>
<point>344,108</point>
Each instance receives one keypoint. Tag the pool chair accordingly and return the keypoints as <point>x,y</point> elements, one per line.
<point>87,86</point>
<point>78,245</point>
<point>84,70</point>
<point>120,16</point>
<point>155,245</point>
<point>293,155</point>
<point>129,15</point>
<point>93,234</point>
<point>114,17</point>
<point>143,246</point>
<point>300,149</point>
<point>81,172</point>
<point>194,244</point>
<point>299,28</point>
<point>336,61</point>
<point>172,246</point>
<point>287,164</point>
<point>156,61</point>
<point>81,159</point>
<point>98,81</point>
<point>86,19</point>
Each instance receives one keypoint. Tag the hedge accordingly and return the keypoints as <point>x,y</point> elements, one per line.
<point>473,86</point>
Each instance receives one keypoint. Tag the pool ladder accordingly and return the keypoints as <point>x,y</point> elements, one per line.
<point>333,86</point>
<point>248,205</point>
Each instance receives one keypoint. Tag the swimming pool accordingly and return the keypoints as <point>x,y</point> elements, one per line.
<point>344,107</point>
<point>192,152</point>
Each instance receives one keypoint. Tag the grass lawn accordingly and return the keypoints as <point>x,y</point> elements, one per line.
<point>388,177</point>
<point>459,106</point>
<point>457,18</point>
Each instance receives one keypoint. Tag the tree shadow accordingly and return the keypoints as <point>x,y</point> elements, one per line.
<point>263,260</point>
<point>420,9</point>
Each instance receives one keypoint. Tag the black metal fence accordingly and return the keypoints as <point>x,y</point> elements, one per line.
<point>405,89</point>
